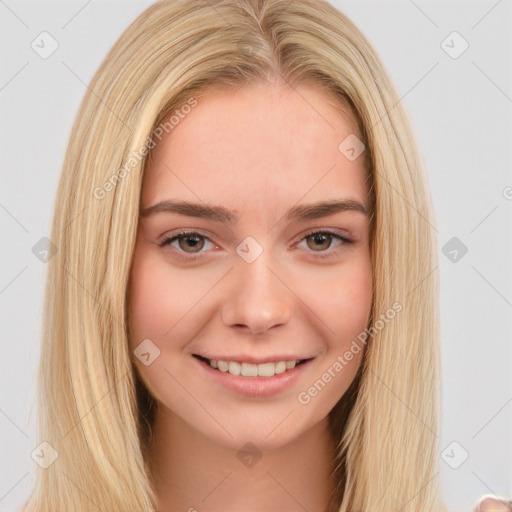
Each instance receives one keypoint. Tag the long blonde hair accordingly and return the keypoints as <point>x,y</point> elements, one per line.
<point>91,407</point>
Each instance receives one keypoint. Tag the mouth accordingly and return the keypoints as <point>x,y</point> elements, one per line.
<point>246,369</point>
<point>257,379</point>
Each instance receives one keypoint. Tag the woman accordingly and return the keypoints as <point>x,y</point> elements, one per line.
<point>241,314</point>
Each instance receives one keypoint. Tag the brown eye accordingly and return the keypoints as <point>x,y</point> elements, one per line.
<point>187,243</point>
<point>319,241</point>
<point>196,243</point>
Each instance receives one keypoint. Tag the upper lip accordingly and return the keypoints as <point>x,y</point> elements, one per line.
<point>253,359</point>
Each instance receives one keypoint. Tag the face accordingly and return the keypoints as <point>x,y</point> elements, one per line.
<point>257,282</point>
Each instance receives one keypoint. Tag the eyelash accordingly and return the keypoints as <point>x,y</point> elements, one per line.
<point>167,240</point>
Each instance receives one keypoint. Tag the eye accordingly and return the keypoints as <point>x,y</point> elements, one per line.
<point>191,243</point>
<point>186,240</point>
<point>321,241</point>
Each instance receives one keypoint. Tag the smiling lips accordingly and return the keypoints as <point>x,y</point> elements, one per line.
<point>240,376</point>
<point>246,369</point>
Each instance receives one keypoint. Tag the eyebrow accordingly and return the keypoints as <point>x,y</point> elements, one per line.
<point>302,212</point>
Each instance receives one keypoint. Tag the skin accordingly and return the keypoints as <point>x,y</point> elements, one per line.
<point>258,152</point>
<point>490,504</point>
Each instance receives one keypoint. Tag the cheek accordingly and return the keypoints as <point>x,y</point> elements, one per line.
<point>147,301</point>
<point>160,297</point>
<point>342,298</point>
<point>352,298</point>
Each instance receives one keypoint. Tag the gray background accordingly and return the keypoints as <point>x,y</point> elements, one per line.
<point>461,112</point>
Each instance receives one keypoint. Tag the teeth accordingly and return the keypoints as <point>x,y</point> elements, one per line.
<point>280,367</point>
<point>248,369</point>
<point>253,370</point>
<point>222,365</point>
<point>266,369</point>
<point>234,368</point>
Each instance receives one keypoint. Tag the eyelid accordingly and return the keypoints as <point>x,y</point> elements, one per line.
<point>343,235</point>
<point>183,232</point>
<point>344,238</point>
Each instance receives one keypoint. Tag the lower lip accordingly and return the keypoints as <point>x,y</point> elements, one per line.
<point>256,386</point>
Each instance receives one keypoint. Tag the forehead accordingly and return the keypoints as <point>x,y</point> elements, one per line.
<point>265,143</point>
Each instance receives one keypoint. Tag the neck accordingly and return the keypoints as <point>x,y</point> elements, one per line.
<point>191,472</point>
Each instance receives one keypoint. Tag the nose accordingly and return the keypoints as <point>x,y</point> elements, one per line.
<point>258,297</point>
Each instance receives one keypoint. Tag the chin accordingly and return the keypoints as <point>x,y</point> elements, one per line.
<point>264,432</point>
